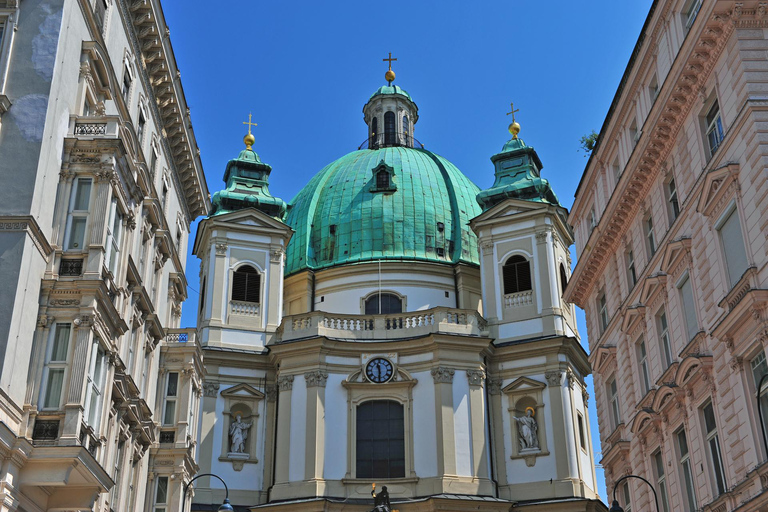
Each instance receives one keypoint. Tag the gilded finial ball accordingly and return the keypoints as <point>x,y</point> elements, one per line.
<point>249,140</point>
<point>389,76</point>
<point>514,129</point>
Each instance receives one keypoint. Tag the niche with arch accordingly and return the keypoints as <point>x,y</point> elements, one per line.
<point>240,400</point>
<point>523,395</point>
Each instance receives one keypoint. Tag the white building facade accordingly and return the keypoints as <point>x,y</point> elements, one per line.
<point>101,180</point>
<point>670,222</point>
<point>392,326</point>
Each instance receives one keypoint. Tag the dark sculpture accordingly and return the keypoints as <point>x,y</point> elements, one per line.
<point>381,500</point>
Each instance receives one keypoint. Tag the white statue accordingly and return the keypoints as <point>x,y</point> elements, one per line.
<point>238,433</point>
<point>527,429</point>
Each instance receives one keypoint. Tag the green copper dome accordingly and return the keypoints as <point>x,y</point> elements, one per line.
<point>247,179</point>
<point>395,203</point>
<point>391,89</point>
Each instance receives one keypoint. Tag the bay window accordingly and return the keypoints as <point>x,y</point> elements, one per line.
<point>114,234</point>
<point>94,392</point>
<point>56,366</point>
<point>171,395</point>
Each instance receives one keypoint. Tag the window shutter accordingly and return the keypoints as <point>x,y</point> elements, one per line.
<point>516,274</point>
<point>246,285</point>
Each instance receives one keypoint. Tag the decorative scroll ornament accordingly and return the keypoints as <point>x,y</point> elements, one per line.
<point>316,378</point>
<point>442,374</point>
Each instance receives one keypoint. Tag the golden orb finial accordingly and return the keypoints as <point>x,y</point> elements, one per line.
<point>514,127</point>
<point>389,75</point>
<point>249,139</point>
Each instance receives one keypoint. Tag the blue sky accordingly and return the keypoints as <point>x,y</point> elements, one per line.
<point>305,70</point>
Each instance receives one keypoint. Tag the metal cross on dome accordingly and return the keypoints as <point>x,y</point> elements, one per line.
<point>512,106</point>
<point>390,59</point>
<point>249,123</point>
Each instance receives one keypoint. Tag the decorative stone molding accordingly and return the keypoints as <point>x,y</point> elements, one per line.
<point>442,374</point>
<point>530,460</point>
<point>570,378</point>
<point>541,237</point>
<point>475,377</point>
<point>211,389</point>
<point>316,378</point>
<point>271,391</point>
<point>221,248</point>
<point>276,255</point>
<point>494,386</point>
<point>285,382</point>
<point>27,224</point>
<point>44,321</point>
<point>554,377</point>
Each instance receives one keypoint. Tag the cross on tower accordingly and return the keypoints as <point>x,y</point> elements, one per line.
<point>249,123</point>
<point>390,59</point>
<point>512,106</point>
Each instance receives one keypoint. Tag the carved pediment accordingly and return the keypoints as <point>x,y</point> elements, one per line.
<point>719,186</point>
<point>601,357</point>
<point>251,217</point>
<point>243,392</point>
<point>653,289</point>
<point>633,318</point>
<point>523,385</point>
<point>676,256</point>
<point>510,207</point>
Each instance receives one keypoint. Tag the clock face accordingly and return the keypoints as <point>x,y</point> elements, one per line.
<point>379,370</point>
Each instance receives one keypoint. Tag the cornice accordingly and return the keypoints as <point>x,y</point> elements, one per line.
<point>28,225</point>
<point>660,130</point>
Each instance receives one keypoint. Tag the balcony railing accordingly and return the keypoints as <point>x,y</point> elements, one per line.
<point>96,127</point>
<point>239,307</point>
<point>388,140</point>
<point>463,322</point>
<point>515,300</point>
<point>180,336</point>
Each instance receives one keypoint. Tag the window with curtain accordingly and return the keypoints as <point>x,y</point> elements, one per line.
<point>733,246</point>
<point>516,274</point>
<point>389,304</point>
<point>56,366</point>
<point>246,284</point>
<point>380,444</point>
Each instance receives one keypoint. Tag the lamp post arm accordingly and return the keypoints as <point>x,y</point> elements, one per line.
<point>616,486</point>
<point>760,409</point>
<point>186,488</point>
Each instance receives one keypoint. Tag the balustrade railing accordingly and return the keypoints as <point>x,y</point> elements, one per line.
<point>374,327</point>
<point>515,300</point>
<point>239,307</point>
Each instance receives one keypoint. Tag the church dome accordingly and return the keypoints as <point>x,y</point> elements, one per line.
<point>394,203</point>
<point>391,89</point>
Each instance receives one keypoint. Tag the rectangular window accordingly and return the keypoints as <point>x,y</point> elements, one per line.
<point>380,435</point>
<point>77,218</point>
<point>631,274</point>
<point>661,480</point>
<point>689,14</point>
<point>603,308</point>
<point>592,219</point>
<point>666,347</point>
<point>161,494</point>
<point>634,134</point>
<point>650,236</point>
<point>689,308</point>
<point>141,125</point>
<point>627,497</point>
<point>616,169</point>
<point>614,397</point>
<point>685,469</point>
<point>653,88</point>
<point>153,163</point>
<point>582,437</point>
<point>126,83</point>
<point>714,128</point>
<point>114,494</point>
<point>642,358</point>
<point>171,394</point>
<point>713,445</point>
<point>672,200</point>
<point>100,12</point>
<point>759,369</point>
<point>164,197</point>
<point>56,366</point>
<point>733,247</point>
<point>95,386</point>
<point>114,233</point>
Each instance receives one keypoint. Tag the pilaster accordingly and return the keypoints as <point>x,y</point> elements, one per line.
<point>477,416</point>
<point>446,447</point>
<point>77,374</point>
<point>314,459</point>
<point>282,453</point>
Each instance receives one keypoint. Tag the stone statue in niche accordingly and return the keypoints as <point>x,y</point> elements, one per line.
<point>238,433</point>
<point>527,429</point>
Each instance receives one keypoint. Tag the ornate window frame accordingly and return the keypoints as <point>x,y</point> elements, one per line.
<point>403,299</point>
<point>398,389</point>
<point>246,316</point>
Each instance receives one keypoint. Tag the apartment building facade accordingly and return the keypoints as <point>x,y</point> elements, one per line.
<point>101,179</point>
<point>670,221</point>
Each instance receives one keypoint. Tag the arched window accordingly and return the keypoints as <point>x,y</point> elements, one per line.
<point>202,295</point>
<point>380,440</point>
<point>389,128</point>
<point>406,126</point>
<point>563,278</point>
<point>246,284</point>
<point>517,275</point>
<point>374,127</point>
<point>390,303</point>
<point>382,180</point>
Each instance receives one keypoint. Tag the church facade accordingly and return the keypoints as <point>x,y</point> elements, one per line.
<point>392,326</point>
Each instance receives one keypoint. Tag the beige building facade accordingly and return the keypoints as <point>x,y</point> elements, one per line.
<point>670,222</point>
<point>101,178</point>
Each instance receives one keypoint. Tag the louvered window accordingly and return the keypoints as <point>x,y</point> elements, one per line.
<point>517,275</point>
<point>246,285</point>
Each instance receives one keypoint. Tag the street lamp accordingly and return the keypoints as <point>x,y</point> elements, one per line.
<point>225,507</point>
<point>760,409</point>
<point>615,506</point>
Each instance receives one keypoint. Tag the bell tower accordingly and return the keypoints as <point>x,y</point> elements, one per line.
<point>241,246</point>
